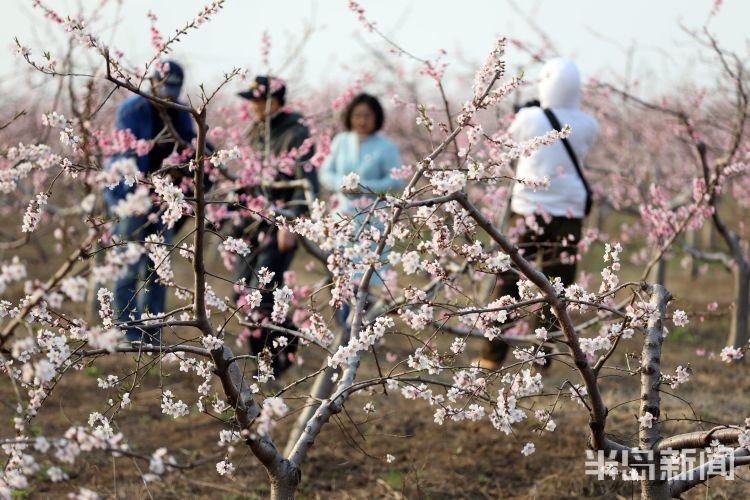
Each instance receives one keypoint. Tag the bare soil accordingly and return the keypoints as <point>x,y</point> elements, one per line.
<point>456,460</point>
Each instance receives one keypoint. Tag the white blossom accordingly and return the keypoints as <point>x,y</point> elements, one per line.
<point>44,371</point>
<point>104,339</point>
<point>265,276</point>
<point>647,420</point>
<point>33,213</point>
<point>227,437</point>
<point>123,170</point>
<point>577,392</point>
<point>211,342</point>
<point>75,287</point>
<point>225,468</point>
<point>84,494</point>
<point>156,463</point>
<point>173,197</point>
<point>282,298</point>
<point>729,354</point>
<point>158,252</point>
<point>272,407</point>
<point>225,155</point>
<point>681,376</point>
<point>458,346</point>
<point>410,261</point>
<point>134,204</point>
<point>351,182</point>
<point>106,299</point>
<point>680,318</point>
<point>171,407</point>
<point>56,474</point>
<point>236,245</point>
<point>447,181</point>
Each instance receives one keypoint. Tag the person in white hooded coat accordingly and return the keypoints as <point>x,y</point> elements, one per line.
<point>553,217</point>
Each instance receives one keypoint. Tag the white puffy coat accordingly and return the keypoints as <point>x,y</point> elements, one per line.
<point>559,90</point>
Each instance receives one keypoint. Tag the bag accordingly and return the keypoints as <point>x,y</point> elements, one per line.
<point>556,125</point>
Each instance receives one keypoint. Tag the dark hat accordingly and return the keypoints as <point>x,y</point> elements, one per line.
<point>170,74</point>
<point>260,87</point>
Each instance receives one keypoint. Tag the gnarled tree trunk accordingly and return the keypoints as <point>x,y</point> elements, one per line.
<point>321,389</point>
<point>656,487</point>
<point>738,335</point>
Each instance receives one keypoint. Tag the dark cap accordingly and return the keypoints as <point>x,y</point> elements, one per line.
<point>260,88</point>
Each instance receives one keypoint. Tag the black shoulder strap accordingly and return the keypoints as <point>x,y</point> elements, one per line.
<point>556,125</point>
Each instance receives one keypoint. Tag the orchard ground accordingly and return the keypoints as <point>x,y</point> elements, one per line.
<point>455,460</point>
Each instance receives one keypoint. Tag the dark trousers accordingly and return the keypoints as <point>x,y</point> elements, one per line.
<point>137,291</point>
<point>267,255</point>
<point>557,248</point>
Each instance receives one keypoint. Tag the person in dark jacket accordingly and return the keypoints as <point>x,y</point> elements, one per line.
<point>138,290</point>
<point>284,143</point>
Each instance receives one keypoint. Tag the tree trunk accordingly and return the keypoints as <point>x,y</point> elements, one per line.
<point>282,490</point>
<point>653,490</point>
<point>284,477</point>
<point>709,237</point>
<point>656,487</point>
<point>738,335</point>
<point>660,272</point>
<point>321,390</point>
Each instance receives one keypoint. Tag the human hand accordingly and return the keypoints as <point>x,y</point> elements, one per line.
<point>286,240</point>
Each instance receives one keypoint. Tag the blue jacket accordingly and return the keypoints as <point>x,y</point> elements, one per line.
<point>137,114</point>
<point>372,159</point>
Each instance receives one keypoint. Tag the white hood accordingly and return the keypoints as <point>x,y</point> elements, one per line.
<point>560,85</point>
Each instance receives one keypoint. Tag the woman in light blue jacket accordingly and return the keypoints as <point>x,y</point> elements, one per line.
<point>362,150</point>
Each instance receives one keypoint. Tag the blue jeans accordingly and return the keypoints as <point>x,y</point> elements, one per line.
<point>137,291</point>
<point>375,279</point>
<point>342,315</point>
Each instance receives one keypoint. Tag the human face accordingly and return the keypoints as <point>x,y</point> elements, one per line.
<point>258,107</point>
<point>363,120</point>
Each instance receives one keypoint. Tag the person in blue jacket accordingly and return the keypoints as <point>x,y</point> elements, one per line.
<point>362,149</point>
<point>138,291</point>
